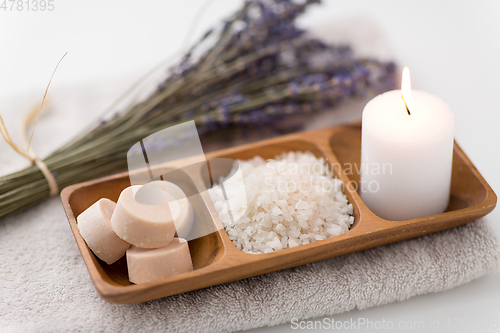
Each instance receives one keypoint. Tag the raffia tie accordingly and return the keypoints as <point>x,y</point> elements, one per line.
<point>32,117</point>
<point>29,153</point>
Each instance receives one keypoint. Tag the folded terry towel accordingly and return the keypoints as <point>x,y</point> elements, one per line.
<point>45,286</point>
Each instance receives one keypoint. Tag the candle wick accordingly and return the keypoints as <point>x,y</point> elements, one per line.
<point>406,105</point>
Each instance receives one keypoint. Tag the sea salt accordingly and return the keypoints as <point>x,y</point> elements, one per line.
<point>291,200</point>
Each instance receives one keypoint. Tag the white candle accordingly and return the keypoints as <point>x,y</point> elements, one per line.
<point>406,154</point>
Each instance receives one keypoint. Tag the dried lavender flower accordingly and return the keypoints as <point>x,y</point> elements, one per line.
<point>257,68</point>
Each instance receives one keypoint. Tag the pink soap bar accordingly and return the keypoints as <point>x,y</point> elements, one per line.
<point>145,225</point>
<point>145,265</point>
<point>184,221</point>
<point>95,228</point>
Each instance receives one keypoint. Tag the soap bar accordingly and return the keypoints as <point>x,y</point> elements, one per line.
<point>184,221</point>
<point>145,265</point>
<point>95,228</point>
<point>148,223</point>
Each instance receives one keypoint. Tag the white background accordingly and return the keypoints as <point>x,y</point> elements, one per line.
<point>451,47</point>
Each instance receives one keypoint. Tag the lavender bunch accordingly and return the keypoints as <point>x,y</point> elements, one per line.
<point>257,68</point>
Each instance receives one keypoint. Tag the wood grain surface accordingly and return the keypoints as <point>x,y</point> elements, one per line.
<point>216,260</point>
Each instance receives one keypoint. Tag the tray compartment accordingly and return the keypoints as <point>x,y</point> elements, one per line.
<point>220,165</point>
<point>204,250</point>
<point>467,189</point>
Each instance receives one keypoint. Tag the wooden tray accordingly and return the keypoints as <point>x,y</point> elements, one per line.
<point>216,260</point>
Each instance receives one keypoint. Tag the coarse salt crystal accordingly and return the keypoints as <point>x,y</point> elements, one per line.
<point>292,200</point>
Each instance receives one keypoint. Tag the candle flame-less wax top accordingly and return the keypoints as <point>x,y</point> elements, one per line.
<point>385,116</point>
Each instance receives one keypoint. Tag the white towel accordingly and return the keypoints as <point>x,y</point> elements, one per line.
<point>45,286</point>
